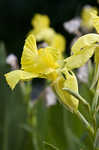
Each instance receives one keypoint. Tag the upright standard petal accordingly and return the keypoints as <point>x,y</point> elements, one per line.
<point>14,77</point>
<point>30,54</point>
<point>28,60</point>
<point>30,43</point>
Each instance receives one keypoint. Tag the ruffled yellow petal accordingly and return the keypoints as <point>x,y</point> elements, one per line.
<point>55,53</point>
<point>15,76</point>
<point>38,61</point>
<point>47,58</point>
<point>71,83</point>
<point>85,41</point>
<point>87,17</point>
<point>52,57</point>
<point>79,58</point>
<point>58,42</point>
<point>42,63</point>
<point>40,22</point>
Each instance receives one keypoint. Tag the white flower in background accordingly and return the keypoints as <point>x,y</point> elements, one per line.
<point>12,61</point>
<point>42,45</point>
<point>50,97</point>
<point>87,6</point>
<point>73,25</point>
<point>82,73</point>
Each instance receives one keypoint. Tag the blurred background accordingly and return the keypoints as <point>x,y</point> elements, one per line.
<point>25,125</point>
<point>16,15</point>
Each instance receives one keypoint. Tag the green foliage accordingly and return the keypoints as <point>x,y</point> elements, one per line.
<point>55,127</point>
<point>13,111</point>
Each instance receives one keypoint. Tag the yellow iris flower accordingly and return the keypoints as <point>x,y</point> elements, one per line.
<point>35,63</point>
<point>43,32</point>
<point>86,16</point>
<point>45,63</point>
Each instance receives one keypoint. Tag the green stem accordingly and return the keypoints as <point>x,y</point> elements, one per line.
<point>86,123</point>
<point>96,141</point>
<point>80,98</point>
<point>96,76</point>
<point>94,123</point>
<point>94,106</point>
<point>95,101</point>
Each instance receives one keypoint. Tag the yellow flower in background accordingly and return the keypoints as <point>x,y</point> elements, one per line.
<point>45,35</point>
<point>35,63</point>
<point>40,22</point>
<point>58,42</point>
<point>83,49</point>
<point>86,16</point>
<point>95,19</point>
<point>69,81</point>
<point>43,32</point>
<point>52,38</point>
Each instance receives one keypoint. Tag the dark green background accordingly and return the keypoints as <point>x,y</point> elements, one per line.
<point>15,17</point>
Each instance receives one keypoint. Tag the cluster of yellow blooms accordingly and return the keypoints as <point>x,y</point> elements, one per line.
<point>47,62</point>
<point>43,32</point>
